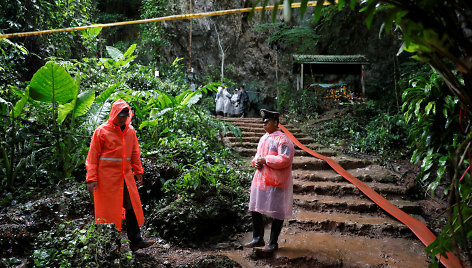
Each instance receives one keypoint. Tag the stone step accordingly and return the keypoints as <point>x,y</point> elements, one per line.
<point>350,223</point>
<point>365,174</point>
<point>314,146</point>
<point>256,139</point>
<point>298,152</point>
<point>257,122</point>
<point>240,120</point>
<point>327,203</point>
<point>312,163</point>
<point>262,132</point>
<point>345,188</point>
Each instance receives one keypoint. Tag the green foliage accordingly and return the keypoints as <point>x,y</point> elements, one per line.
<point>213,73</point>
<point>12,63</point>
<point>302,104</point>
<point>434,31</point>
<point>52,84</point>
<point>90,39</point>
<point>367,128</point>
<point>14,152</point>
<point>429,107</point>
<point>22,16</point>
<point>459,231</point>
<point>195,217</point>
<point>67,99</point>
<point>383,134</point>
<point>153,35</point>
<point>165,103</point>
<point>300,38</point>
<point>93,246</point>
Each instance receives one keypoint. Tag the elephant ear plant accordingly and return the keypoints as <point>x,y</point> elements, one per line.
<point>52,84</point>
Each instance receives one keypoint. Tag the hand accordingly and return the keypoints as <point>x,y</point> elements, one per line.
<point>91,186</point>
<point>260,162</point>
<point>140,179</point>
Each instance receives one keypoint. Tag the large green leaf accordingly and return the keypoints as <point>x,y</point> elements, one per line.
<point>114,53</point>
<point>84,102</point>
<point>19,106</point>
<point>107,92</point>
<point>165,100</point>
<point>64,110</point>
<point>53,80</point>
<point>78,106</point>
<point>91,32</point>
<point>130,51</point>
<point>191,99</point>
<point>178,99</point>
<point>318,8</point>
<point>303,6</point>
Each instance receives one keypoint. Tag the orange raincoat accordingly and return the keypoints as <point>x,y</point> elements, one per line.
<point>112,158</point>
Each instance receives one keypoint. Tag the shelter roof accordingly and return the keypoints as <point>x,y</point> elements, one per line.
<point>330,59</point>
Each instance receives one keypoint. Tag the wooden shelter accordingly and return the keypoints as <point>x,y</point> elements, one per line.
<point>327,65</point>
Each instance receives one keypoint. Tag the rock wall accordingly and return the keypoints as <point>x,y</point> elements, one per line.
<point>250,59</point>
<point>246,51</point>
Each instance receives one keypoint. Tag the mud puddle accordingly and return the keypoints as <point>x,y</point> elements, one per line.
<point>324,249</point>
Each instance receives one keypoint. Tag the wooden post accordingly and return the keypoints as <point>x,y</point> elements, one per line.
<point>190,40</point>
<point>301,78</point>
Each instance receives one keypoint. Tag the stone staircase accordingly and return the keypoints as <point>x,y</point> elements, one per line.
<point>334,224</point>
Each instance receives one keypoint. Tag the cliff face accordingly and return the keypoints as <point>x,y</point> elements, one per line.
<point>248,58</point>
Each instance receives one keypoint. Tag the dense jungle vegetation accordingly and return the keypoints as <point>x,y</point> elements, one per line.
<point>56,89</point>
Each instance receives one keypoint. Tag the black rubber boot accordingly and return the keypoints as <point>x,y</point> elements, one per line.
<point>258,231</point>
<point>275,230</point>
<point>132,227</point>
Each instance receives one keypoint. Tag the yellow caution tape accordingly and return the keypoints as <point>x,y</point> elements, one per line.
<point>173,17</point>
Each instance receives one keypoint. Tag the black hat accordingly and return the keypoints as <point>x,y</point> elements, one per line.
<point>124,112</point>
<point>268,115</point>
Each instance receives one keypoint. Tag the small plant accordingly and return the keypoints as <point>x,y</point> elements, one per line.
<point>93,246</point>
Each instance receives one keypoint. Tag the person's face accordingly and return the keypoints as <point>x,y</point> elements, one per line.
<point>270,126</point>
<point>120,120</point>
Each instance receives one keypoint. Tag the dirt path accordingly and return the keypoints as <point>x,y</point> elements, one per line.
<point>334,225</point>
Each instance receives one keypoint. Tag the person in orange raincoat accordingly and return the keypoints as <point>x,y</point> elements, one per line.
<point>272,185</point>
<point>113,157</point>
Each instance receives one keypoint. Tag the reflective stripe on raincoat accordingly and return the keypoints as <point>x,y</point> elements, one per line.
<point>272,185</point>
<point>112,158</point>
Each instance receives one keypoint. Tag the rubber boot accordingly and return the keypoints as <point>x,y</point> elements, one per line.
<point>274,236</point>
<point>258,231</point>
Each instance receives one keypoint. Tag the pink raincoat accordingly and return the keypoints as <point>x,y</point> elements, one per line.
<point>272,185</point>
<point>112,158</point>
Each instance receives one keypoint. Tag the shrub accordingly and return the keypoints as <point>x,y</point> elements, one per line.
<point>93,246</point>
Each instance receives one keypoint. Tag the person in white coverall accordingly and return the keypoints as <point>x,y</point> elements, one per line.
<point>220,102</point>
<point>228,107</point>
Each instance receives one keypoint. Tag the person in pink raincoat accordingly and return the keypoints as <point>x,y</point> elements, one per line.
<point>113,157</point>
<point>272,185</point>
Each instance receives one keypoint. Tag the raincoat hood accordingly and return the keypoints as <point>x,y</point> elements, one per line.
<point>116,108</point>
